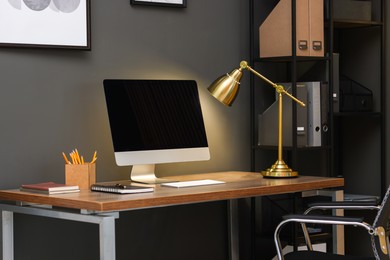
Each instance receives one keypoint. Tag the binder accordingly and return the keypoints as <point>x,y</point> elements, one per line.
<point>325,112</point>
<point>336,83</point>
<point>301,115</point>
<point>275,33</point>
<point>314,113</point>
<point>312,120</point>
<point>268,120</point>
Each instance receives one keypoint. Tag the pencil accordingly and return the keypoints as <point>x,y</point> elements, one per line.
<point>94,157</point>
<point>78,156</point>
<point>65,158</point>
<point>72,157</point>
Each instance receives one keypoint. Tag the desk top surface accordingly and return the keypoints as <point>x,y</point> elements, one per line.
<point>238,185</point>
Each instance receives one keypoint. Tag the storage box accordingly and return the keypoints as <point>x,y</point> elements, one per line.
<point>275,33</point>
<point>83,175</point>
<point>354,97</point>
<point>357,10</point>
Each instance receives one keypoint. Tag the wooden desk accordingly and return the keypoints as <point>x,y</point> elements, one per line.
<point>103,208</point>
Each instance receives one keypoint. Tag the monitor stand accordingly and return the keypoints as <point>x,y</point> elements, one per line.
<point>144,173</point>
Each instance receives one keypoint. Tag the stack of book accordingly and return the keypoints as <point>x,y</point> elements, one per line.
<point>49,188</point>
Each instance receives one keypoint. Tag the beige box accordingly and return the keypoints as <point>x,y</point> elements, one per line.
<point>83,175</point>
<point>275,32</point>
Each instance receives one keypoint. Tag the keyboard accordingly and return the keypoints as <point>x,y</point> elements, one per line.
<point>184,184</point>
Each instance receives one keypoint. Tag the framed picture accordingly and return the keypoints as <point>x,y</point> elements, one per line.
<point>45,24</point>
<point>168,3</point>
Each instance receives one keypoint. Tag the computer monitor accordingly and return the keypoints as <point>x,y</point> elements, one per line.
<point>154,122</point>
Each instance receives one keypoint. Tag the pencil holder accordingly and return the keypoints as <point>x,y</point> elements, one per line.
<point>83,175</point>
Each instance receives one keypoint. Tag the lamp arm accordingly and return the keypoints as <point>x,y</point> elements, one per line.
<point>279,88</point>
<point>291,96</point>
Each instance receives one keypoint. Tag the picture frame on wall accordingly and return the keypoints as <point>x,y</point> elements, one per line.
<point>45,24</point>
<point>167,3</point>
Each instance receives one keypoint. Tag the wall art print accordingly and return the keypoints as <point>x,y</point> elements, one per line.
<point>167,3</point>
<point>45,23</point>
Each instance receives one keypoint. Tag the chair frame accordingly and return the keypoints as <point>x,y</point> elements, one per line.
<point>373,231</point>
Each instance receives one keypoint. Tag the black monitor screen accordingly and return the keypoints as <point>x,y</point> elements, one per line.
<point>154,114</point>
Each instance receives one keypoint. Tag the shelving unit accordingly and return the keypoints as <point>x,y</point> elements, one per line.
<point>360,136</point>
<point>360,45</point>
<point>354,147</point>
<point>284,69</point>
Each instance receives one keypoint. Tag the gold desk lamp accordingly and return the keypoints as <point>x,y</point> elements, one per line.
<point>225,89</point>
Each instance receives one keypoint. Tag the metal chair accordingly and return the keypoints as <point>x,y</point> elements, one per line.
<point>378,230</point>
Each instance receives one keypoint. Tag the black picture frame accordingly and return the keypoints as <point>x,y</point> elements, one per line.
<point>166,3</point>
<point>74,36</point>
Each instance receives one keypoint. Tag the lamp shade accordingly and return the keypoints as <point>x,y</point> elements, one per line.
<point>225,88</point>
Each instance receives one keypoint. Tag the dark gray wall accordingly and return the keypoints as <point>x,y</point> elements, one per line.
<point>52,101</point>
<point>387,72</point>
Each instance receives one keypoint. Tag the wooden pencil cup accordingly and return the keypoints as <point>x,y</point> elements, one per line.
<point>83,175</point>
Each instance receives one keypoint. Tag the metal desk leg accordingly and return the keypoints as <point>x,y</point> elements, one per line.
<point>233,229</point>
<point>107,238</point>
<point>106,222</point>
<point>7,222</point>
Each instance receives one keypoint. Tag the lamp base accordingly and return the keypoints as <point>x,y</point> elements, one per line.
<point>279,170</point>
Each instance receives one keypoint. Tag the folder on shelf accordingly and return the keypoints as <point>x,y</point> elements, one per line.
<point>301,115</point>
<point>354,97</point>
<point>336,83</point>
<point>311,122</point>
<point>314,114</point>
<point>268,120</point>
<point>325,113</point>
<point>275,32</point>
